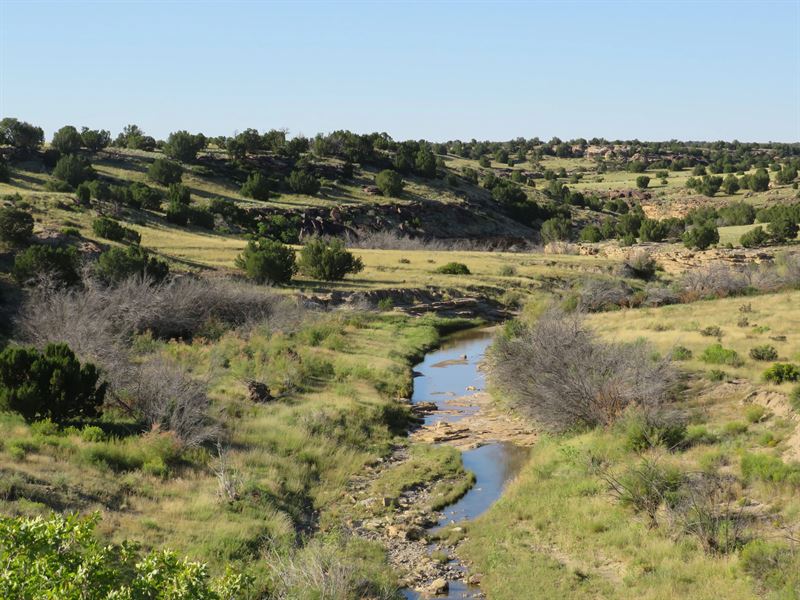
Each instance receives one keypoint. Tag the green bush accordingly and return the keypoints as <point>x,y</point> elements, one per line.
<point>62,557</point>
<point>165,171</point>
<point>716,375</point>
<point>642,181</point>
<point>554,230</point>
<point>644,430</point>
<point>794,398</point>
<point>765,352</point>
<point>73,170</point>
<point>177,213</point>
<point>177,193</point>
<point>754,238</point>
<point>145,196</point>
<point>507,271</point>
<point>184,146</point>
<point>118,264</point>
<point>755,413</point>
<point>769,468</point>
<point>67,140</point>
<point>781,372</point>
<point>16,226</point>
<point>591,234</point>
<point>774,565</point>
<point>645,486</point>
<point>257,186</point>
<point>716,354</point>
<point>699,434</point>
<point>267,261</point>
<point>39,261</point>
<point>328,260</point>
<point>783,229</point>
<point>453,268</point>
<point>389,182</point>
<point>681,353</point>
<point>201,217</point>
<point>701,236</point>
<point>51,384</point>
<point>113,230</point>
<point>92,433</point>
<point>302,182</point>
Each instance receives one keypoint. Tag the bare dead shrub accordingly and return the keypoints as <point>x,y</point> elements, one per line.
<point>162,394</point>
<point>639,264</point>
<point>391,240</point>
<point>603,294</point>
<point>229,481</point>
<point>715,280</point>
<point>707,508</point>
<point>558,373</point>
<point>98,323</point>
<point>320,570</point>
<point>659,295</point>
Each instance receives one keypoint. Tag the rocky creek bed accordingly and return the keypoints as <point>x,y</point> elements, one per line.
<point>448,396</point>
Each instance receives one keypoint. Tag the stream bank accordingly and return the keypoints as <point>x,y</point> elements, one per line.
<point>448,395</point>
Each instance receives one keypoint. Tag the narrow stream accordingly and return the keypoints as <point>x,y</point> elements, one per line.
<point>449,376</point>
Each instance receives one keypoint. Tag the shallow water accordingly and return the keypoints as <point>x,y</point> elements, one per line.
<point>443,377</point>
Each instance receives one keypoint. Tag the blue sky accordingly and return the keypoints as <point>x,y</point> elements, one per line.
<point>433,70</point>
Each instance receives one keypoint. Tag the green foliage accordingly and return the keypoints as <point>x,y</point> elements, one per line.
<point>184,146</point>
<point>781,372</point>
<point>177,193</point>
<point>783,229</point>
<point>60,557</point>
<point>328,260</point>
<point>709,185</point>
<point>425,162</point>
<point>389,182</point>
<point>95,139</point>
<point>16,226</point>
<point>758,181</point>
<point>716,354</point>
<point>730,185</point>
<point>643,430</point>
<point>73,170</point>
<point>769,468</point>
<point>591,234</point>
<point>145,196</point>
<point>755,413</point>
<point>653,230</point>
<point>506,192</point>
<point>453,268</point>
<point>133,137</point>
<point>38,261</point>
<point>555,229</point>
<point>118,264</point>
<point>67,140</point>
<point>23,137</point>
<point>303,182</point>
<point>165,171</point>
<point>256,186</point>
<point>754,238</point>
<point>113,230</point>
<point>629,224</point>
<point>765,352</point>
<point>774,565</point>
<point>681,353</point>
<point>786,175</point>
<point>177,213</point>
<point>642,181</point>
<point>645,486</point>
<point>267,261</point>
<point>701,236</point>
<point>51,384</point>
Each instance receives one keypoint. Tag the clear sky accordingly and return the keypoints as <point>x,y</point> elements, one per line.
<point>434,70</point>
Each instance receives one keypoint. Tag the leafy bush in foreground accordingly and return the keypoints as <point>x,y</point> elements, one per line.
<point>16,226</point>
<point>165,171</point>
<point>700,237</point>
<point>765,352</point>
<point>51,384</point>
<point>60,557</point>
<point>118,264</point>
<point>328,260</point>
<point>780,372</point>
<point>716,354</point>
<point>267,261</point>
<point>113,230</point>
<point>43,261</point>
<point>389,182</point>
<point>454,268</point>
